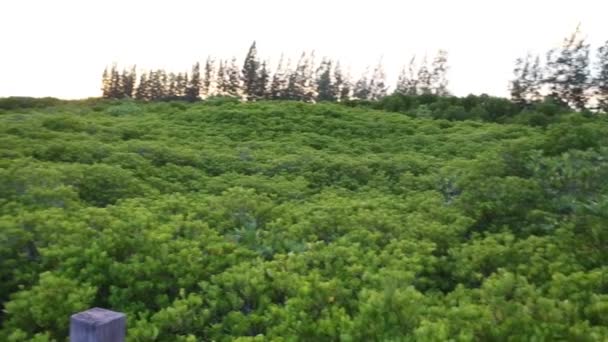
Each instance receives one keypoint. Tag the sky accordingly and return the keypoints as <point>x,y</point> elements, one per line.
<point>59,48</point>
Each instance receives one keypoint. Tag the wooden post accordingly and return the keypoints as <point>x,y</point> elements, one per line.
<point>98,325</point>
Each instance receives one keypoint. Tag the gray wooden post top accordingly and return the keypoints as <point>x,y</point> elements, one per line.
<point>98,325</point>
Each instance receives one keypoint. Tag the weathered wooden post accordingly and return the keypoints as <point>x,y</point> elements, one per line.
<point>98,325</point>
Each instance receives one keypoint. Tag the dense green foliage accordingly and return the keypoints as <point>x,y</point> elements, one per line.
<point>472,107</point>
<point>288,221</point>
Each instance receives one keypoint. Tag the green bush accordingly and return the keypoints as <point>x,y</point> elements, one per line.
<point>126,108</point>
<point>224,220</point>
<point>101,184</point>
<point>10,103</point>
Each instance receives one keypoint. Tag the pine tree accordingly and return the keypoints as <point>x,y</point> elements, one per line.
<point>154,85</point>
<point>580,84</point>
<point>412,83</point>
<point>301,85</point>
<point>193,89</point>
<point>141,93</point>
<point>402,81</point>
<point>361,90</point>
<point>423,80</point>
<point>291,91</point>
<point>164,84</point>
<point>338,83</point>
<point>261,91</point>
<point>222,82</point>
<point>157,85</point>
<point>250,74</point>
<point>128,82</point>
<point>181,85</point>
<point>535,81</point>
<point>600,82</point>
<point>172,88</point>
<point>114,83</point>
<point>568,71</point>
<point>377,84</point>
<point>105,83</point>
<point>325,89</point>
<point>407,83</point>
<point>518,87</point>
<point>439,80</point>
<point>206,89</point>
<point>347,87</point>
<point>525,88</point>
<point>234,79</point>
<point>308,86</point>
<point>278,86</point>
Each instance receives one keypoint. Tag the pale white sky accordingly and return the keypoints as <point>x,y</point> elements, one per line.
<point>60,47</point>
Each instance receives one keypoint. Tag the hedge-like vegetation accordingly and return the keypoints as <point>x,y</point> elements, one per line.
<point>288,221</point>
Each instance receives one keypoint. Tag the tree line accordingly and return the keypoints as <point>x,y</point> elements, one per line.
<point>566,75</point>
<point>254,80</point>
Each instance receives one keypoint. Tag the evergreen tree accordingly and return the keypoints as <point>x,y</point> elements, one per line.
<point>141,93</point>
<point>193,89</point>
<point>407,82</point>
<point>297,80</point>
<point>222,81</point>
<point>261,91</point>
<point>234,79</point>
<point>346,89</point>
<point>114,83</point>
<point>206,89</point>
<point>568,71</point>
<point>535,81</point>
<point>325,89</point>
<point>250,74</point>
<point>164,84</point>
<point>308,86</point>
<point>423,80</point>
<point>518,87</point>
<point>412,84</point>
<point>439,80</point>
<point>377,84</point>
<point>157,85</point>
<point>525,88</point>
<point>292,91</point>
<point>301,85</point>
<point>105,84</point>
<point>338,83</point>
<point>172,87</point>
<point>128,82</point>
<point>279,84</point>
<point>362,90</point>
<point>181,85</point>
<point>401,87</point>
<point>154,85</point>
<point>600,82</point>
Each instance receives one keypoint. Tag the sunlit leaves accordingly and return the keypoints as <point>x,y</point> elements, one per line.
<point>283,221</point>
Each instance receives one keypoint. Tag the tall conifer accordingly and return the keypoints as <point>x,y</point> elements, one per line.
<point>261,89</point>
<point>377,84</point>
<point>325,91</point>
<point>251,73</point>
<point>568,71</point>
<point>207,83</point>
<point>600,82</point>
<point>193,89</point>
<point>278,86</point>
<point>234,79</point>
